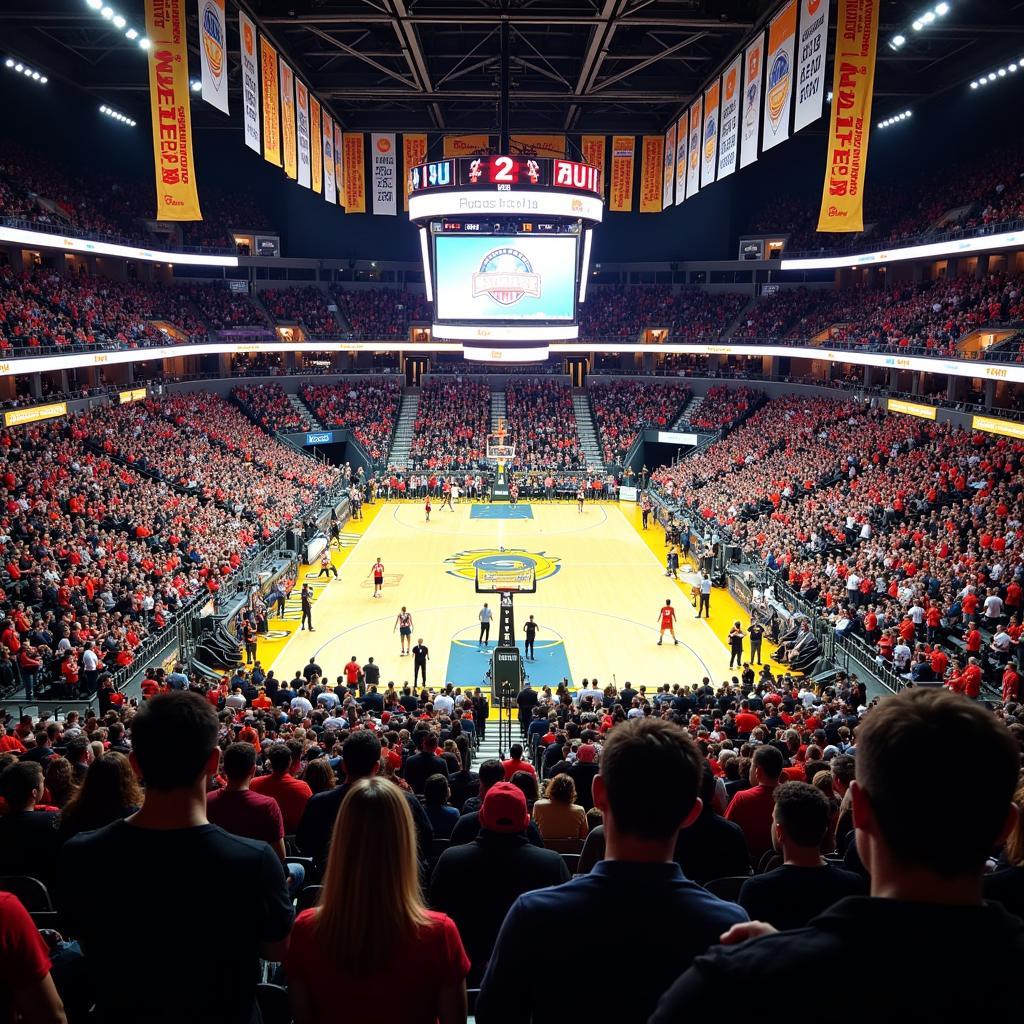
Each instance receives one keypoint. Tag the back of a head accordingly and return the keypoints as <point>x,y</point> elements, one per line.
<point>173,736</point>
<point>490,772</point>
<point>652,774</point>
<point>371,886</point>
<point>76,749</point>
<point>516,751</point>
<point>239,761</point>
<point>280,758</point>
<point>361,754</point>
<point>561,789</point>
<point>17,781</point>
<point>435,790</point>
<point>770,761</point>
<point>107,792</point>
<point>803,812</point>
<point>932,810</point>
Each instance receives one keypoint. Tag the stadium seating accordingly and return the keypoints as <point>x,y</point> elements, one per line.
<point>689,313</point>
<point>268,405</point>
<point>306,306</point>
<point>381,312</point>
<point>368,407</point>
<point>452,422</point>
<point>623,408</point>
<point>542,425</point>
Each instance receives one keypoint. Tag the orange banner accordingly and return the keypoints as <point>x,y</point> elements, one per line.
<point>316,146</point>
<point>593,149</point>
<point>621,178</point>
<point>355,173</point>
<point>653,154</point>
<point>537,145</point>
<point>414,153</point>
<point>853,82</point>
<point>177,197</point>
<point>466,145</point>
<point>288,120</point>
<point>271,128</point>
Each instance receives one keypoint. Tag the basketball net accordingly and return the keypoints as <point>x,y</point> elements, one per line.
<point>497,450</point>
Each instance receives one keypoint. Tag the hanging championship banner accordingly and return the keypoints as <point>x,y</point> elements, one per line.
<point>355,179</point>
<point>466,145</point>
<point>668,176</point>
<point>652,153</point>
<point>213,53</point>
<point>593,149</point>
<point>778,96</point>
<point>682,136</point>
<point>250,82</point>
<point>730,119</point>
<point>537,145</point>
<point>709,136</point>
<point>621,185</point>
<point>693,151</point>
<point>328,143</point>
<point>384,171</point>
<point>853,81</point>
<point>271,128</point>
<point>750,120</point>
<point>177,197</point>
<point>810,65</point>
<point>316,151</point>
<point>288,120</point>
<point>414,153</point>
<point>302,130</point>
<point>339,180</point>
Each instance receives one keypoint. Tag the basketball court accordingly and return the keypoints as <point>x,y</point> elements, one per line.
<point>600,586</point>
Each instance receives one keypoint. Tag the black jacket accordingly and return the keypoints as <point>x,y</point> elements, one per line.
<point>421,766</point>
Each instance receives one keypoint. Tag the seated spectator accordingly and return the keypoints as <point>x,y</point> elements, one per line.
<point>424,763</point>
<point>174,750</point>
<point>926,869</point>
<point>558,816</point>
<point>109,792</point>
<point>370,918</point>
<point>753,809</point>
<point>1006,885</point>
<point>29,843</point>
<point>435,802</point>
<point>291,794</point>
<point>467,828</point>
<point>647,790</point>
<point>27,991</point>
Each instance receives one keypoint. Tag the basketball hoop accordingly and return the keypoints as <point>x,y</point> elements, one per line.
<point>497,450</point>
<point>506,581</point>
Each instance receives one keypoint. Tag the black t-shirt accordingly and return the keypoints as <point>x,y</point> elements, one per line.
<point>790,896</point>
<point>185,946</point>
<point>531,630</point>
<point>419,654</point>
<point>29,844</point>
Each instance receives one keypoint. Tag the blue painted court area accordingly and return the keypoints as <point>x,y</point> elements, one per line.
<point>501,512</point>
<point>468,664</point>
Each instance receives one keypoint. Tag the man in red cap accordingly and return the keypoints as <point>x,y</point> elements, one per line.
<point>475,884</point>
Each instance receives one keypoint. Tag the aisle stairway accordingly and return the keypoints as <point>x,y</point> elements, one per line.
<point>305,413</point>
<point>685,418</point>
<point>402,440</point>
<point>499,408</point>
<point>586,428</point>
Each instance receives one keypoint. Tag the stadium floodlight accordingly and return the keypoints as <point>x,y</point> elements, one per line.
<point>95,4</point>
<point>917,26</point>
<point>928,17</point>
<point>942,9</point>
<point>19,67</point>
<point>119,21</point>
<point>9,62</point>
<point>43,80</point>
<point>974,85</point>
<point>107,12</point>
<point>132,34</point>
<point>144,43</point>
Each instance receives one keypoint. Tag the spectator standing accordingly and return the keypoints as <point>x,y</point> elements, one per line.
<point>291,794</point>
<point>753,809</point>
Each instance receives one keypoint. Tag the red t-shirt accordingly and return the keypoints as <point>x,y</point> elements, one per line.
<point>246,814</point>
<point>747,722</point>
<point>435,949</point>
<point>291,794</point>
<point>24,959</point>
<point>668,616</point>
<point>511,767</point>
<point>752,810</point>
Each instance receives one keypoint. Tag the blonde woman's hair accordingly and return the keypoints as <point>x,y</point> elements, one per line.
<point>1015,840</point>
<point>371,893</point>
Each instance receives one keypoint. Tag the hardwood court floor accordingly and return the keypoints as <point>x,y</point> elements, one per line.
<point>600,586</point>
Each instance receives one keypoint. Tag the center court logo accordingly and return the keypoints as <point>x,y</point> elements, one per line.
<point>506,275</point>
<point>465,563</point>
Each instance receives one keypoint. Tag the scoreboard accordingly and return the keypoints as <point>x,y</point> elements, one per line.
<point>503,173</point>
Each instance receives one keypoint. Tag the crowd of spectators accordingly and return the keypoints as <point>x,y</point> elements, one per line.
<point>622,408</point>
<point>226,310</point>
<point>723,405</point>
<point>268,405</point>
<point>306,306</point>
<point>368,407</point>
<point>689,313</point>
<point>381,312</point>
<point>451,426</point>
<point>542,425</point>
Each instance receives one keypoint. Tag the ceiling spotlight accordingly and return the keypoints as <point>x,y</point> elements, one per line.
<point>942,9</point>
<point>917,26</point>
<point>35,75</point>
<point>95,4</point>
<point>899,40</point>
<point>1001,72</point>
<point>19,67</point>
<point>910,113</point>
<point>103,109</point>
<point>144,43</point>
<point>107,12</point>
<point>132,34</point>
<point>1012,68</point>
<point>928,18</point>
<point>43,80</point>
<point>991,76</point>
<point>9,62</point>
<point>119,21</point>
<point>974,85</point>
<point>196,86</point>
<point>828,98</point>
<point>28,72</point>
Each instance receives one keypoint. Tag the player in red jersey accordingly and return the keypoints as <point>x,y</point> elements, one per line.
<point>668,621</point>
<point>426,507</point>
<point>378,577</point>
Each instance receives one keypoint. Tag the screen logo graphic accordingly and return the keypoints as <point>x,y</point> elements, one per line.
<point>506,275</point>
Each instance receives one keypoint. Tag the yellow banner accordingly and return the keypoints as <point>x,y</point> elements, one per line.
<point>17,417</point>
<point>593,148</point>
<point>268,79</point>
<point>621,178</point>
<point>414,153</point>
<point>135,395</point>
<point>291,167</point>
<point>537,145</point>
<point>355,173</point>
<point>177,197</point>
<point>924,412</point>
<point>853,82</point>
<point>316,145</point>
<point>652,151</point>
<point>466,145</point>
<point>989,425</point>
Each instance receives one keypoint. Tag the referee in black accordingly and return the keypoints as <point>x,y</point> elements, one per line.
<point>530,629</point>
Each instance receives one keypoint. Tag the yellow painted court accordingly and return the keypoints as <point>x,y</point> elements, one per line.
<point>600,586</point>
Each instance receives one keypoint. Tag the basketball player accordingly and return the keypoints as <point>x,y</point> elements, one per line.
<point>513,493</point>
<point>645,509</point>
<point>668,622</point>
<point>454,494</point>
<point>307,608</point>
<point>672,562</point>
<point>403,623</point>
<point>530,629</point>
<point>485,617</point>
<point>426,507</point>
<point>446,496</point>
<point>378,577</point>
<point>580,494</point>
<point>326,565</point>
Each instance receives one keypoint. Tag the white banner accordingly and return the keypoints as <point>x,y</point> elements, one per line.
<point>810,65</point>
<point>750,121</point>
<point>213,54</point>
<point>709,135</point>
<point>302,130</point>
<point>730,119</point>
<point>778,87</point>
<point>328,146</point>
<point>384,173</point>
<point>693,151</point>
<point>669,170</point>
<point>682,131</point>
<point>250,83</point>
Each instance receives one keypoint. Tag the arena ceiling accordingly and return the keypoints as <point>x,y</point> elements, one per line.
<point>576,65</point>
